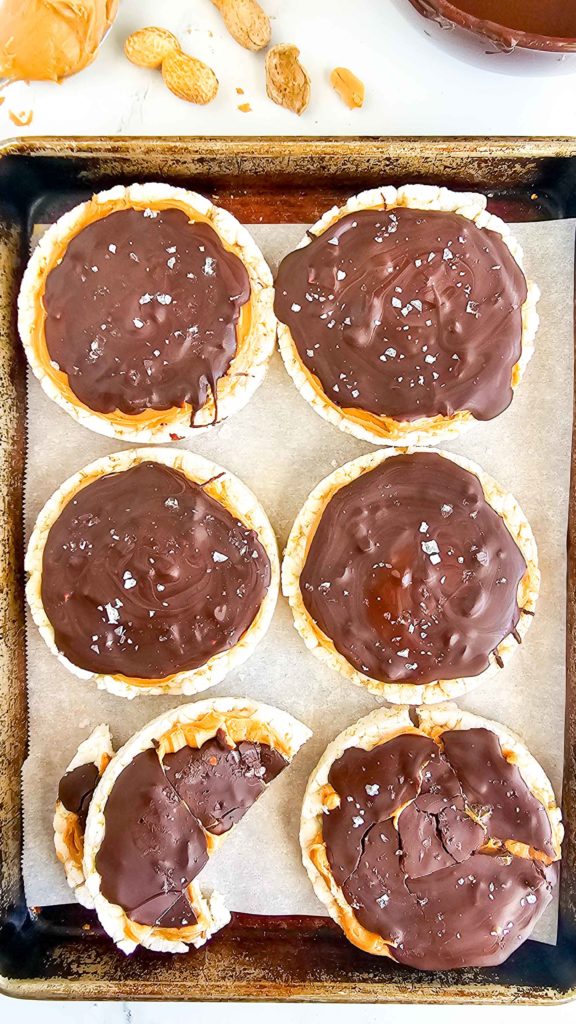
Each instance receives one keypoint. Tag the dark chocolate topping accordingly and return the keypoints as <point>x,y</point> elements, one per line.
<point>144,574</point>
<point>219,783</point>
<point>406,313</point>
<point>154,844</point>
<point>76,788</point>
<point>493,784</point>
<point>411,573</point>
<point>428,886</point>
<point>141,312</point>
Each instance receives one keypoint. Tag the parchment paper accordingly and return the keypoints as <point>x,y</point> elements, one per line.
<point>281,449</point>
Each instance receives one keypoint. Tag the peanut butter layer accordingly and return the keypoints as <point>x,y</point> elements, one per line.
<point>406,313</point>
<point>145,575</point>
<point>416,843</point>
<point>142,312</point>
<point>411,573</point>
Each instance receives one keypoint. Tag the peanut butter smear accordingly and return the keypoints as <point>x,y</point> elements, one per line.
<point>50,39</point>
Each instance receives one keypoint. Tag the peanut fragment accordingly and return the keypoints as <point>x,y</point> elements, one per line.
<point>287,82</point>
<point>349,88</point>
<point>148,46</point>
<point>246,22</point>
<point>189,78</point>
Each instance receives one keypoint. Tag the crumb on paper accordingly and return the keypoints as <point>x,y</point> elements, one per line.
<point>245,108</point>
<point>22,119</point>
<point>239,90</point>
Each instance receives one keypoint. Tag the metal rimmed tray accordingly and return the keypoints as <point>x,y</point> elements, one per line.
<point>50,952</point>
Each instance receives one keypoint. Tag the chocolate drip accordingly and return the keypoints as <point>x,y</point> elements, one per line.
<point>144,574</point>
<point>76,789</point>
<point>411,573</point>
<point>154,844</point>
<point>429,886</point>
<point>219,783</point>
<point>142,311</point>
<point>406,313</point>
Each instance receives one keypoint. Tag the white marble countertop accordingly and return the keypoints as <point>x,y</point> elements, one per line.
<point>14,1012</point>
<point>413,88</point>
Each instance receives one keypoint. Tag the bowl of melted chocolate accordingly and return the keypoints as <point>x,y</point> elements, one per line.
<point>539,34</point>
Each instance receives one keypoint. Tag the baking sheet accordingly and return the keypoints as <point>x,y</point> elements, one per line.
<point>281,449</point>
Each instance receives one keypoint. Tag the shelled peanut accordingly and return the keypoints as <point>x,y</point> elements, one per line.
<point>186,76</point>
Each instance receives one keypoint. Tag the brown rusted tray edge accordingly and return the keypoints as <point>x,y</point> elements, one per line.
<point>260,153</point>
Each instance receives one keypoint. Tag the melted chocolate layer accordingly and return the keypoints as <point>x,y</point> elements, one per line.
<point>427,886</point>
<point>406,313</point>
<point>76,789</point>
<point>145,575</point>
<point>412,574</point>
<point>551,18</point>
<point>141,312</point>
<point>154,841</point>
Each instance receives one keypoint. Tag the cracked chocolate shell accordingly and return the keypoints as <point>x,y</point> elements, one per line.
<point>152,571</point>
<point>405,315</point>
<point>412,573</point>
<point>435,844</point>
<point>165,804</point>
<point>146,313</point>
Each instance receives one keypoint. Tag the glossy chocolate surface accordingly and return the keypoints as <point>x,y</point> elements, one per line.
<point>406,314</point>
<point>155,820</point>
<point>76,788</point>
<point>142,311</point>
<point>411,573</point>
<point>541,17</point>
<point>146,575</point>
<point>430,886</point>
